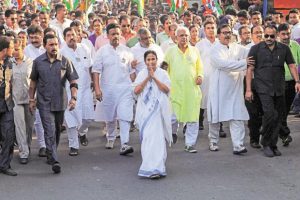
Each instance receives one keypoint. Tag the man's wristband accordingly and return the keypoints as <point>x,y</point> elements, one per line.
<point>298,81</point>
<point>31,100</point>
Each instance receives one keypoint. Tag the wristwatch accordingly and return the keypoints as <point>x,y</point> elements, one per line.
<point>298,81</point>
<point>74,98</point>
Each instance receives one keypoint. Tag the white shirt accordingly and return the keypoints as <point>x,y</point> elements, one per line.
<point>225,98</point>
<point>31,52</point>
<point>167,44</point>
<point>295,31</point>
<point>139,51</point>
<point>82,61</point>
<point>59,28</point>
<point>114,65</point>
<point>204,46</point>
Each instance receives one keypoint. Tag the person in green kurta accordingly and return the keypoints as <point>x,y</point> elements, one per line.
<point>186,73</point>
<point>284,34</point>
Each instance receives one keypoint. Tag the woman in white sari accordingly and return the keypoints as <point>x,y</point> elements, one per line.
<point>153,116</point>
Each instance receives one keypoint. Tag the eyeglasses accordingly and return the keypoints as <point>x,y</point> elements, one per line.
<point>269,36</point>
<point>226,33</point>
<point>13,19</point>
<point>128,25</point>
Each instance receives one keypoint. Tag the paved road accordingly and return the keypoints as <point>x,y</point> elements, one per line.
<point>98,173</point>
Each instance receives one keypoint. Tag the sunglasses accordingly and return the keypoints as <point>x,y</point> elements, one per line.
<point>125,26</point>
<point>269,36</point>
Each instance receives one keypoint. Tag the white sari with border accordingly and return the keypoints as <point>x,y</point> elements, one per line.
<point>153,119</point>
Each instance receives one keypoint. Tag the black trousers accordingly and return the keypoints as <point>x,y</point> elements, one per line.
<point>273,108</point>
<point>255,113</point>
<point>289,97</point>
<point>201,116</point>
<point>7,132</point>
<point>52,122</point>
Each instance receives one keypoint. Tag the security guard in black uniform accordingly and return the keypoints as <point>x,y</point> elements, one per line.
<point>7,131</point>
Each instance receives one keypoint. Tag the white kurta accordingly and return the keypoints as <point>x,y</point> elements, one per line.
<point>114,65</point>
<point>204,47</point>
<point>153,118</point>
<point>167,44</point>
<point>89,45</point>
<point>225,97</point>
<point>139,51</point>
<point>31,52</point>
<point>82,61</point>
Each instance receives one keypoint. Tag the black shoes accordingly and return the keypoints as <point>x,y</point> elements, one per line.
<point>240,152</point>
<point>222,134</point>
<point>174,136</point>
<point>42,152</point>
<point>268,152</point>
<point>73,152</point>
<point>276,151</point>
<point>56,168</point>
<point>201,127</point>
<point>255,145</point>
<point>8,172</point>
<point>23,161</point>
<point>287,140</point>
<point>184,129</point>
<point>83,140</point>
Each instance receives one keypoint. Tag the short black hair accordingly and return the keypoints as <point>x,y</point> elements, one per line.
<point>76,23</point>
<point>67,30</point>
<point>4,42</point>
<point>253,27</point>
<point>222,27</point>
<point>241,28</point>
<point>78,13</point>
<point>123,17</point>
<point>59,6</point>
<point>9,12</point>
<point>243,13</point>
<point>187,14</point>
<point>231,11</point>
<point>164,18</point>
<point>33,16</point>
<point>271,26</point>
<point>21,21</point>
<point>208,22</point>
<point>97,20</point>
<point>111,26</point>
<point>295,11</point>
<point>47,30</point>
<point>149,52</point>
<point>91,15</point>
<point>255,13</point>
<point>283,27</point>
<point>19,12</point>
<point>33,29</point>
<point>47,37</point>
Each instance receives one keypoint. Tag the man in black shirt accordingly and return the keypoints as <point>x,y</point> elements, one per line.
<point>49,74</point>
<point>269,82</point>
<point>7,131</point>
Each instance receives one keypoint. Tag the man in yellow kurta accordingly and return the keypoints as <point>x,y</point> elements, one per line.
<point>186,72</point>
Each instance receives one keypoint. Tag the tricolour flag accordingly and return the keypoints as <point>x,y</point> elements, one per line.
<point>140,4</point>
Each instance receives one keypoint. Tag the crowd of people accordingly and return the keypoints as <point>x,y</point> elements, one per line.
<point>63,68</point>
